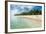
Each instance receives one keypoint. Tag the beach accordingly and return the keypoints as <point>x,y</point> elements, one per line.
<point>26,21</point>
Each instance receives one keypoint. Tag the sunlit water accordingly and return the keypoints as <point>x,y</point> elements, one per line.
<point>17,22</point>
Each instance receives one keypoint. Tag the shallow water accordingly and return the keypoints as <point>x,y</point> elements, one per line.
<point>18,22</point>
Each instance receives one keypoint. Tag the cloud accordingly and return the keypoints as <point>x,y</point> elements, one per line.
<point>16,9</point>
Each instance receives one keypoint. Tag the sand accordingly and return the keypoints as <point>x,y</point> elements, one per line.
<point>36,19</point>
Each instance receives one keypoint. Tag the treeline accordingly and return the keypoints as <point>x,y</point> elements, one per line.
<point>31,12</point>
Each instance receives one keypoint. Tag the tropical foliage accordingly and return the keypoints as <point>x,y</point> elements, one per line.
<point>31,12</point>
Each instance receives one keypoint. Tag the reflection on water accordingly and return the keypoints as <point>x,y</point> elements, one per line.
<point>18,22</point>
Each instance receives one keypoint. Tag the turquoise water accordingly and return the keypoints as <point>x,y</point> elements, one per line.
<point>21,22</point>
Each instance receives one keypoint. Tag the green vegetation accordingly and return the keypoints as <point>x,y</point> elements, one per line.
<point>31,12</point>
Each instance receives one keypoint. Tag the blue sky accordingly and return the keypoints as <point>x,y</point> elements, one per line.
<point>16,9</point>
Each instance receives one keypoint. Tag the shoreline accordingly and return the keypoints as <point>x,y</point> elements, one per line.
<point>36,19</point>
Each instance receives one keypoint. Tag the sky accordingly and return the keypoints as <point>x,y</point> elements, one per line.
<point>16,9</point>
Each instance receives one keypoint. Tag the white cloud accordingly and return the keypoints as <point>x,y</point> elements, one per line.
<point>21,7</point>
